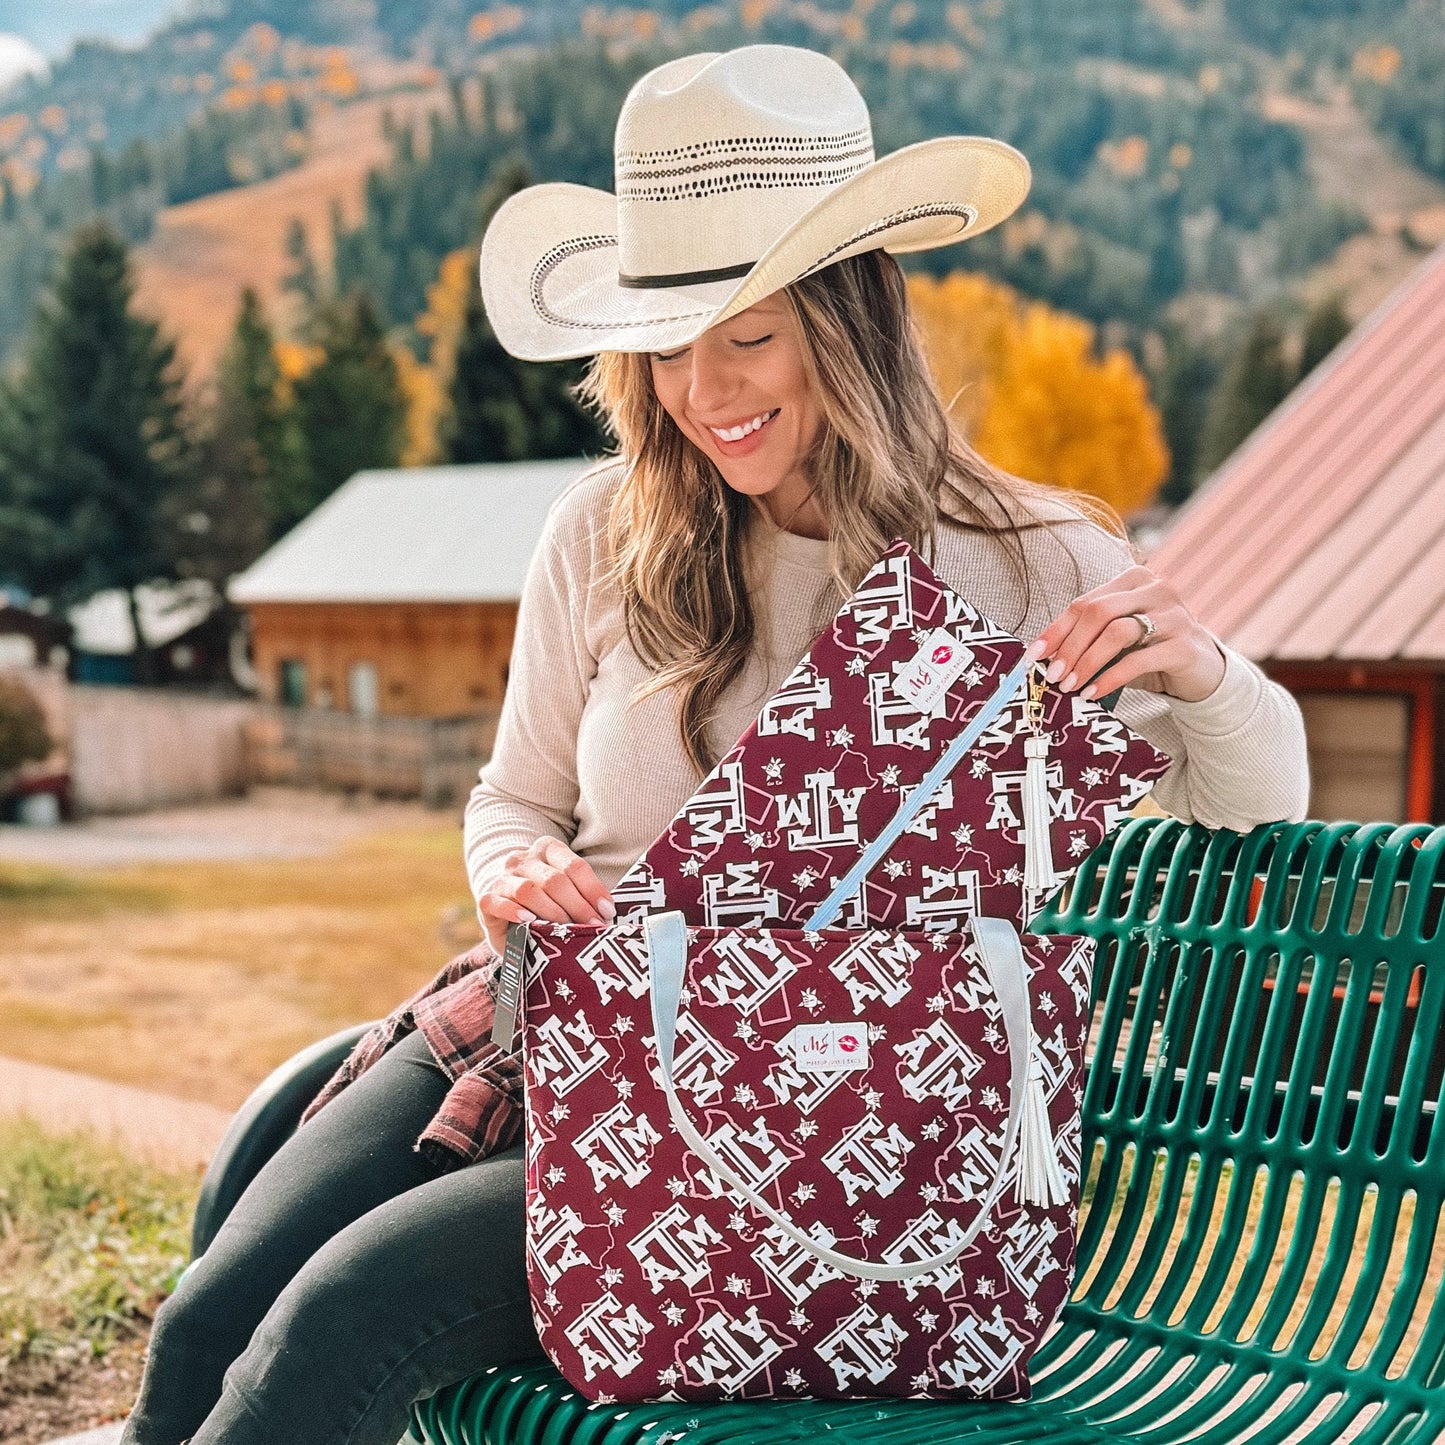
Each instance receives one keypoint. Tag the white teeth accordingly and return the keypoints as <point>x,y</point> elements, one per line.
<point>737,433</point>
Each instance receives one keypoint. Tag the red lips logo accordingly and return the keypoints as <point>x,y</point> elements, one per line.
<point>847,1042</point>
<point>942,653</point>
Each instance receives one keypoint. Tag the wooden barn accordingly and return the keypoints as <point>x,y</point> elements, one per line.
<point>1318,550</point>
<point>398,595</point>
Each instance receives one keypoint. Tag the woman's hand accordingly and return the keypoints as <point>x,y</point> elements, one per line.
<point>547,880</point>
<point>1094,640</point>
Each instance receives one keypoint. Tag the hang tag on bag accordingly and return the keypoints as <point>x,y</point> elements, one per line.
<point>509,986</point>
<point>929,673</point>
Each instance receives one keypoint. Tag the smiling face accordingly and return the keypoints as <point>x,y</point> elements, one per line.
<point>741,394</point>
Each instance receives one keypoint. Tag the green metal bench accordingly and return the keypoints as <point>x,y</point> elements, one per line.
<point>1260,1254</point>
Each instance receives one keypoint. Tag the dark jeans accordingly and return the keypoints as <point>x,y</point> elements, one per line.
<point>349,1280</point>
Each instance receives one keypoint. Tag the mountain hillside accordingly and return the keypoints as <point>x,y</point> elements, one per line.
<point>190,273</point>
<point>1194,160</point>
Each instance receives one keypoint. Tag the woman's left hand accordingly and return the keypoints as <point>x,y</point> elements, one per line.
<point>1094,641</point>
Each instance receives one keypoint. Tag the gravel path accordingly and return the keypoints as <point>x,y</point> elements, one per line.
<point>267,823</point>
<point>170,1132</point>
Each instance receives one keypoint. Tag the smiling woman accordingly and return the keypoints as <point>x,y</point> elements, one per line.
<point>777,429</point>
<point>741,393</point>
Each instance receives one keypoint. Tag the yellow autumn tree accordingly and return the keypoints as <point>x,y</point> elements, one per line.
<point>427,386</point>
<point>294,359</point>
<point>967,321</point>
<point>424,403</point>
<point>1033,398</point>
<point>1061,415</point>
<point>446,311</point>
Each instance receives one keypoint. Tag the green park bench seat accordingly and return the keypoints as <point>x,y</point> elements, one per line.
<point>1259,1253</point>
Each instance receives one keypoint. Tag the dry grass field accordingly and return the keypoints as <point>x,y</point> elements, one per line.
<point>196,978</point>
<point>271,921</point>
<point>190,273</point>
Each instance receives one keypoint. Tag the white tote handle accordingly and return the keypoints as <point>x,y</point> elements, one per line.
<point>1002,953</point>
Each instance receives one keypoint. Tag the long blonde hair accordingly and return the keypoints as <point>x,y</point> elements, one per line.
<point>888,462</point>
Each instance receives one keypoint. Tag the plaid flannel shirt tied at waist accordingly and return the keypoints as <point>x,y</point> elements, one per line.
<point>482,1112</point>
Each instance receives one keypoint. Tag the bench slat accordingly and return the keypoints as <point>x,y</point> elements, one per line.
<point>1259,1256</point>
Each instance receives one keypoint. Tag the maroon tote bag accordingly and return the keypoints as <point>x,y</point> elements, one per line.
<point>804,1120</point>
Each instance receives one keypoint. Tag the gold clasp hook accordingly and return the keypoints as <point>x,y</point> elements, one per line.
<point>1034,707</point>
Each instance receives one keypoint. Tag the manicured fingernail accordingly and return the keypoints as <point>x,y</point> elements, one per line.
<point>528,916</point>
<point>1089,691</point>
<point>1034,651</point>
<point>1055,668</point>
<point>1069,681</point>
<point>608,909</point>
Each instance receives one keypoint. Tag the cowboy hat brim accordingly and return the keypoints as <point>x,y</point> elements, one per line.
<point>549,270</point>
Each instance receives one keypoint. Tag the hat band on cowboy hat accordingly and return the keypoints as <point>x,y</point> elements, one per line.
<point>736,174</point>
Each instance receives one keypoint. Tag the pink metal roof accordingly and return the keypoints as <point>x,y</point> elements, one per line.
<point>1323,536</point>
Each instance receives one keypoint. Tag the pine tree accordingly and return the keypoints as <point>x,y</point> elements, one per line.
<point>217,524</point>
<point>1256,381</point>
<point>484,421</point>
<point>1325,327</point>
<point>93,441</point>
<point>302,278</point>
<point>249,387</point>
<point>248,485</point>
<point>502,409</point>
<point>350,408</point>
<point>1188,376</point>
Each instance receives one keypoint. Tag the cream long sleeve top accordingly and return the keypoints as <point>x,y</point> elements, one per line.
<point>569,760</point>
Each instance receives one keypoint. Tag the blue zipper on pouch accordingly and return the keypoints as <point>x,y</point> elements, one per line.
<point>910,807</point>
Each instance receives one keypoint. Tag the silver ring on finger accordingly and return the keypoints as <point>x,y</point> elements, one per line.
<point>1147,623</point>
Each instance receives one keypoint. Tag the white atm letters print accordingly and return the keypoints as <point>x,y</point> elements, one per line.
<point>654,1278</point>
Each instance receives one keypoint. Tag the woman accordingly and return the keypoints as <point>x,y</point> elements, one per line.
<point>777,429</point>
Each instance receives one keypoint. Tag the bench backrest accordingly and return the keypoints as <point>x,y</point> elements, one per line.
<point>1263,1153</point>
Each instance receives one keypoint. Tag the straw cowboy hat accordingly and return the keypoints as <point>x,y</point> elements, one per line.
<point>736,173</point>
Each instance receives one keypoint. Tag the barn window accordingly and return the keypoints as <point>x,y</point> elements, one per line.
<point>363,689</point>
<point>292,680</point>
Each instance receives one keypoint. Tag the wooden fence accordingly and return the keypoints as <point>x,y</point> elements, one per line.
<point>399,757</point>
<point>135,748</point>
<point>130,749</point>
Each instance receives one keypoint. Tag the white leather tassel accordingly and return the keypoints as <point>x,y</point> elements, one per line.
<point>1038,852</point>
<point>1040,1180</point>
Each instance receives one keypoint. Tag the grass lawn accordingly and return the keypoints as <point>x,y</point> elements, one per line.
<point>198,978</point>
<point>90,1243</point>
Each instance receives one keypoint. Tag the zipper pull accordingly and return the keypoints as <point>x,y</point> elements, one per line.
<point>1039,872</point>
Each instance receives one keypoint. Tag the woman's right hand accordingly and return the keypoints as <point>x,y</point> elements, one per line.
<point>547,880</point>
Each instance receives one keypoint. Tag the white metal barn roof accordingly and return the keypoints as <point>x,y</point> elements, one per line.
<point>417,534</point>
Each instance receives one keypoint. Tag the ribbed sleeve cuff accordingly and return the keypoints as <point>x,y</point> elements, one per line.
<point>1230,706</point>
